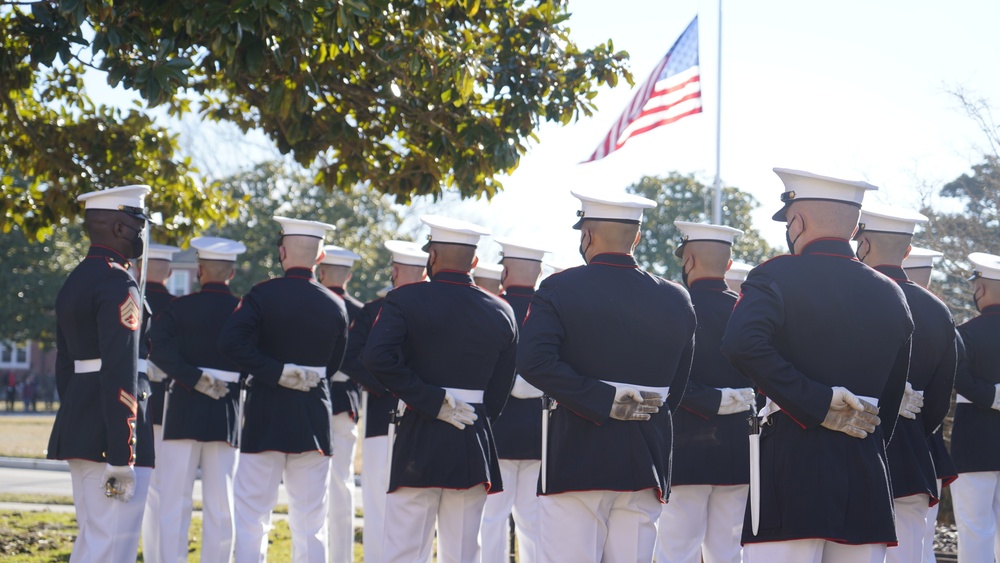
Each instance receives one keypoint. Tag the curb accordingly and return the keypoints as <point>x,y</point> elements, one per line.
<point>33,463</point>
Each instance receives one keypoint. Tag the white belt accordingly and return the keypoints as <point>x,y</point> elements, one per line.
<point>770,407</point>
<point>340,377</point>
<point>87,366</point>
<point>961,399</point>
<point>90,366</point>
<point>661,391</point>
<point>471,396</point>
<point>222,375</point>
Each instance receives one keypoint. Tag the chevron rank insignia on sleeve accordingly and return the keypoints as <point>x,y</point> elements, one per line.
<point>129,313</point>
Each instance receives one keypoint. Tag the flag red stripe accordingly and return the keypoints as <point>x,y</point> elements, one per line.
<point>668,107</point>
<point>614,140</point>
<point>621,124</point>
<point>666,121</point>
<point>695,78</point>
<point>654,97</point>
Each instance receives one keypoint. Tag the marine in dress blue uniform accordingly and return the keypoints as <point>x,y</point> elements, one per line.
<point>408,266</point>
<point>883,237</point>
<point>518,430</point>
<point>608,341</point>
<point>289,334</point>
<point>976,492</point>
<point>158,298</point>
<point>200,425</point>
<point>101,420</point>
<point>334,271</point>
<point>445,348</point>
<point>823,337</point>
<point>487,276</point>
<point>710,476</point>
<point>736,275</point>
<point>918,265</point>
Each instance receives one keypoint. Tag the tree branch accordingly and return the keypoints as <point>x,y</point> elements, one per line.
<point>40,146</point>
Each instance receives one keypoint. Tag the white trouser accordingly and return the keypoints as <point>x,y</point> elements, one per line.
<point>341,517</point>
<point>179,460</point>
<point>976,498</point>
<point>592,526</point>
<point>409,524</point>
<point>151,516</point>
<point>702,520</point>
<point>813,551</point>
<point>911,523</point>
<point>520,483</point>
<point>373,487</point>
<point>930,531</point>
<point>256,490</point>
<point>109,528</point>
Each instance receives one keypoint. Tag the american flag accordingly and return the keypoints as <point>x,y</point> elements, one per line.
<point>671,92</point>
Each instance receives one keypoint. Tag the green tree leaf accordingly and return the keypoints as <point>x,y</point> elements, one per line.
<point>681,197</point>
<point>495,68</point>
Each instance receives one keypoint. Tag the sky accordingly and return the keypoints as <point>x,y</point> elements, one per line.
<point>852,89</point>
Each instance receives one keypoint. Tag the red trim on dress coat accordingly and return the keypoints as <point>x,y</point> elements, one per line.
<point>659,492</point>
<point>631,266</point>
<point>694,412</point>
<point>106,248</point>
<point>839,541</point>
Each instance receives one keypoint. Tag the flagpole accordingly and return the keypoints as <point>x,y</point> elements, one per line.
<point>717,199</point>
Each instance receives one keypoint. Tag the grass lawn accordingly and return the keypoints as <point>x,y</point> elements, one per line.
<point>25,435</point>
<point>36,537</point>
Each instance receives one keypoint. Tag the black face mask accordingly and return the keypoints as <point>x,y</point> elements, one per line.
<point>858,251</point>
<point>684,276</point>
<point>430,272</point>
<point>788,239</point>
<point>137,245</point>
<point>583,251</point>
<point>975,299</point>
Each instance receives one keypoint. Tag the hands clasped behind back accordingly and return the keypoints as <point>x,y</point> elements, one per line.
<point>211,386</point>
<point>735,400</point>
<point>298,378</point>
<point>456,412</point>
<point>154,374</point>
<point>851,415</point>
<point>912,403</point>
<point>632,404</point>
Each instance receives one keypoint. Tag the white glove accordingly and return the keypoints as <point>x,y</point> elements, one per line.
<point>119,482</point>
<point>996,397</point>
<point>735,400</point>
<point>153,373</point>
<point>851,415</point>
<point>911,404</point>
<point>211,386</point>
<point>456,413</point>
<point>294,377</point>
<point>524,390</point>
<point>632,404</point>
